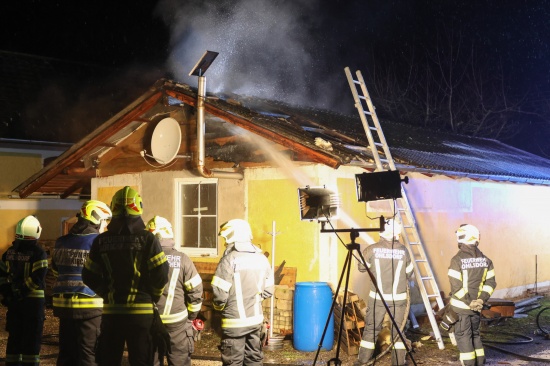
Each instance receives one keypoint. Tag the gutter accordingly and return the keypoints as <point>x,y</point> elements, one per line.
<point>203,170</point>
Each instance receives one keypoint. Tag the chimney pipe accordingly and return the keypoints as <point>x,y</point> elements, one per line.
<point>203,170</point>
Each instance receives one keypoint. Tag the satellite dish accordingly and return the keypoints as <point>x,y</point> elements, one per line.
<point>166,139</point>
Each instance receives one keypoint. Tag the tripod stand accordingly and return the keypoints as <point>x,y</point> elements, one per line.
<point>354,233</point>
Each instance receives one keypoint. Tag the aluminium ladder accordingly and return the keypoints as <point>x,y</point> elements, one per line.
<point>384,161</point>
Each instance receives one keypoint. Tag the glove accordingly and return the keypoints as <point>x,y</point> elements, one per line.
<point>160,336</point>
<point>449,318</point>
<point>476,305</point>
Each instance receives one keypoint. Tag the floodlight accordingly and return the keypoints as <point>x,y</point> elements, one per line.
<point>379,185</point>
<point>318,203</point>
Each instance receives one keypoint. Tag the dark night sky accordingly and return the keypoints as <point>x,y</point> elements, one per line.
<point>294,50</point>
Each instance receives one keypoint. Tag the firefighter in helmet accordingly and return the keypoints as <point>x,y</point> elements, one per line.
<point>390,263</point>
<point>472,278</point>
<point>75,304</point>
<point>181,300</point>
<point>128,269</point>
<point>243,278</point>
<point>22,281</point>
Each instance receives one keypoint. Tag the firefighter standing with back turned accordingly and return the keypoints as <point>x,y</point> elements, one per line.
<point>75,304</point>
<point>22,281</point>
<point>391,265</point>
<point>243,278</point>
<point>128,269</point>
<point>181,299</point>
<point>472,278</point>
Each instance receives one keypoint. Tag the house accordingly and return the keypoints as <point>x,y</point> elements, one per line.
<point>200,160</point>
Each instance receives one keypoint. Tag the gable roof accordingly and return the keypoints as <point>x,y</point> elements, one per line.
<point>296,128</point>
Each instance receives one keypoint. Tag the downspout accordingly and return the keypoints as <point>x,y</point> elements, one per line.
<point>203,170</point>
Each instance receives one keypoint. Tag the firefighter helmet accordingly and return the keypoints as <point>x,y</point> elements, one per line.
<point>28,229</point>
<point>161,227</point>
<point>236,231</point>
<point>127,202</point>
<point>392,229</point>
<point>95,211</point>
<point>467,234</point>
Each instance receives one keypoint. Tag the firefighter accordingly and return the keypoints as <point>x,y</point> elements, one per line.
<point>75,304</point>
<point>181,300</point>
<point>472,278</point>
<point>22,281</point>
<point>128,269</point>
<point>390,263</point>
<point>243,278</point>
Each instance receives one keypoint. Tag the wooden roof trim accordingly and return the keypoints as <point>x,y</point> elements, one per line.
<point>94,139</point>
<point>249,126</point>
<point>75,187</point>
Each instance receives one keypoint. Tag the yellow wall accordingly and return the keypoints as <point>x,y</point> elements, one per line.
<point>16,168</point>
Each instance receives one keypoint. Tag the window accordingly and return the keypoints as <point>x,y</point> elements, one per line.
<point>197,217</point>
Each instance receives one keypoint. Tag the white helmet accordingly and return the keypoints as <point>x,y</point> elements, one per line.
<point>467,234</point>
<point>392,229</point>
<point>28,229</point>
<point>160,226</point>
<point>236,231</point>
<point>95,211</point>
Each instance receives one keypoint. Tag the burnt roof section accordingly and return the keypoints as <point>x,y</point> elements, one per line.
<point>314,135</point>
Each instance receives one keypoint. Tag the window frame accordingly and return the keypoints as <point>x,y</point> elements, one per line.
<point>178,214</point>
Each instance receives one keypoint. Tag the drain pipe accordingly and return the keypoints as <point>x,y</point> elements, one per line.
<point>203,170</point>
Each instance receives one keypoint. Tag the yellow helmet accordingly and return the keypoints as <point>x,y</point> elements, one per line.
<point>95,211</point>
<point>127,202</point>
<point>161,227</point>
<point>28,229</point>
<point>236,230</point>
<point>467,234</point>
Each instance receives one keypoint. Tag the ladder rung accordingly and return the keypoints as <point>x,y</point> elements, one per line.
<point>432,295</point>
<point>427,278</point>
<point>420,260</point>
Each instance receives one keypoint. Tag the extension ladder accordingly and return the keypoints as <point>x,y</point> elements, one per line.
<point>384,161</point>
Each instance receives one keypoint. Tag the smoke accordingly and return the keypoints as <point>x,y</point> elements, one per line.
<point>268,49</point>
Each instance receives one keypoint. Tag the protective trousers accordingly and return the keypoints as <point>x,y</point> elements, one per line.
<point>468,339</point>
<point>182,344</point>
<point>77,341</point>
<point>134,330</point>
<point>243,350</point>
<point>24,323</point>
<point>373,326</point>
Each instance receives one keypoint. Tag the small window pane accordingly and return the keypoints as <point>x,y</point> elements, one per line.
<point>189,199</point>
<point>209,232</point>
<point>190,232</point>
<point>208,199</point>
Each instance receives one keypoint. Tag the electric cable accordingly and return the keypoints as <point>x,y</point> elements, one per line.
<point>538,320</point>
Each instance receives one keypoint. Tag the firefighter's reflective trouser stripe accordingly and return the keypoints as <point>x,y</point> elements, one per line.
<point>374,319</point>
<point>242,350</point>
<point>468,339</point>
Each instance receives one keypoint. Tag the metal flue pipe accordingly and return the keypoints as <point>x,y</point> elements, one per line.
<point>203,170</point>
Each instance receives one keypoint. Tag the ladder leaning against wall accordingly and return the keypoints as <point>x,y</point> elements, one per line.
<point>384,161</point>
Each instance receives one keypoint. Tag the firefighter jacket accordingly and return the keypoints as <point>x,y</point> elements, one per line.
<point>243,278</point>
<point>126,267</point>
<point>472,276</point>
<point>71,297</point>
<point>390,263</point>
<point>23,270</point>
<point>182,296</point>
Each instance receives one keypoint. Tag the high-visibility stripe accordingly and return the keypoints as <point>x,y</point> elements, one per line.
<point>488,289</point>
<point>193,282</point>
<point>221,283</point>
<point>460,293</point>
<point>409,268</point>
<point>133,290</point>
<point>491,274</point>
<point>174,318</point>
<point>459,304</point>
<point>157,260</point>
<point>367,344</point>
<point>40,264</point>
<point>92,266</point>
<point>467,356</point>
<point>76,302</point>
<point>30,359</point>
<point>483,277</point>
<point>171,290</point>
<point>239,295</point>
<point>454,274</point>
<point>245,322</point>
<point>398,345</point>
<point>389,297</point>
<point>194,307</point>
<point>396,278</point>
<point>480,352</point>
<point>13,358</point>
<point>36,294</point>
<point>144,308</point>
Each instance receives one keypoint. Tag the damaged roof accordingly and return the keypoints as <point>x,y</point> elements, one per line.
<point>310,134</point>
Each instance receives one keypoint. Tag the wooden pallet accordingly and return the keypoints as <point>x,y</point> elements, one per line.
<point>353,323</point>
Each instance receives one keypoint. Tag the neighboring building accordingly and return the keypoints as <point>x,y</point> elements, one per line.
<point>255,154</point>
<point>18,160</point>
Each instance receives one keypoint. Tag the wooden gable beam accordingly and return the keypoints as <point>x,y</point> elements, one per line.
<point>75,187</point>
<point>94,139</point>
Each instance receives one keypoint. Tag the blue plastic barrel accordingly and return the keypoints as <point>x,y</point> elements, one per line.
<point>312,303</point>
